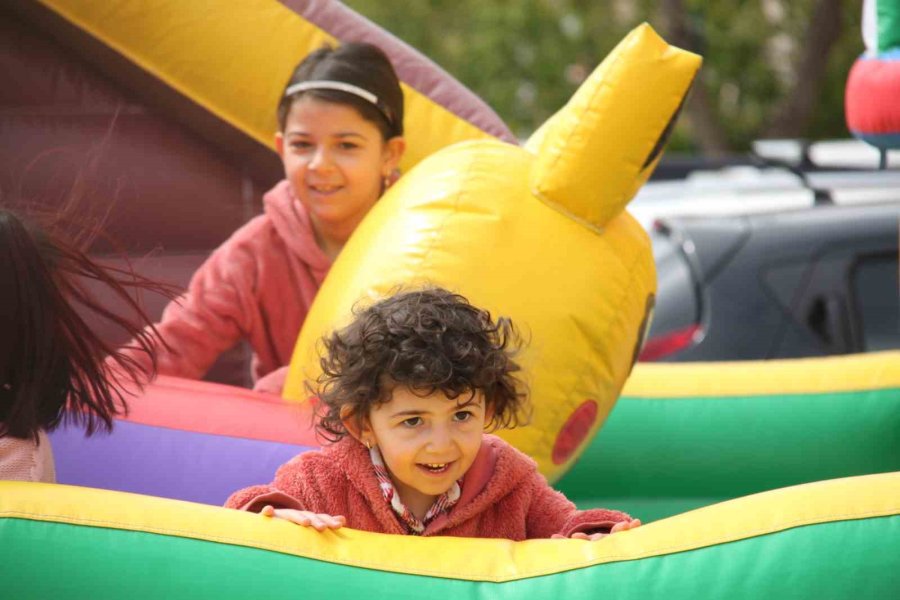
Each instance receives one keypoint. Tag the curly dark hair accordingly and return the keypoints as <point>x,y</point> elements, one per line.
<point>428,340</point>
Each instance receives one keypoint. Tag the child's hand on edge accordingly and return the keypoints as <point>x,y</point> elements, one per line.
<point>593,537</point>
<point>318,521</point>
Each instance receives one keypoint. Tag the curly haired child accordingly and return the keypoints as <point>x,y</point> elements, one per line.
<point>407,392</point>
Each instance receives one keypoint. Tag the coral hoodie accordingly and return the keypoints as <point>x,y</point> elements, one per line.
<point>503,495</point>
<point>258,285</point>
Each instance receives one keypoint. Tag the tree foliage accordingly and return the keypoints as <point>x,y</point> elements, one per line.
<point>760,75</point>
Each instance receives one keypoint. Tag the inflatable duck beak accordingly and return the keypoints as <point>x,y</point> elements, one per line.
<point>597,151</point>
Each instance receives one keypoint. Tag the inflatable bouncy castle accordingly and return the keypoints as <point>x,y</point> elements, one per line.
<point>787,469</point>
<point>678,440</point>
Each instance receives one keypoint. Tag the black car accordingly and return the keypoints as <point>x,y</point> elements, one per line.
<point>813,281</point>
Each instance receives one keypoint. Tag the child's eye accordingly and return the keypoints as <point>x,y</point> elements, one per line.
<point>462,416</point>
<point>348,146</point>
<point>412,422</point>
<point>301,145</point>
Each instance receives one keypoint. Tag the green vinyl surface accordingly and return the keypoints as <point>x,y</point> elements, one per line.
<point>658,457</point>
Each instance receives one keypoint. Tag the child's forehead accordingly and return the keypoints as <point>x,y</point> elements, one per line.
<point>431,399</point>
<point>309,112</point>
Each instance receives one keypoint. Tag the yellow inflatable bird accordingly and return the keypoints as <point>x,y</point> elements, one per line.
<point>538,234</point>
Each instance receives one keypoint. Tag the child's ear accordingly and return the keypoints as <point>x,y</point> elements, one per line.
<point>393,152</point>
<point>279,144</point>
<point>358,428</point>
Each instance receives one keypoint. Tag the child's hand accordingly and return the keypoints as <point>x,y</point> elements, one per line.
<point>318,521</point>
<point>593,537</point>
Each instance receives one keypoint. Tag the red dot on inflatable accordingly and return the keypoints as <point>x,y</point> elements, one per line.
<point>574,432</point>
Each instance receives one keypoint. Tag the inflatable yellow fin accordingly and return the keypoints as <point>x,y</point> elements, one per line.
<point>594,154</point>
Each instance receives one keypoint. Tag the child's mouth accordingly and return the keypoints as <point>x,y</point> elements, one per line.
<point>435,468</point>
<point>324,190</point>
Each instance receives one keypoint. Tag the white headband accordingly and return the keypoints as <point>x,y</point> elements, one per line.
<point>333,85</point>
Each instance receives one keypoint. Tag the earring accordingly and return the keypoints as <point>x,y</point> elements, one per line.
<point>390,179</point>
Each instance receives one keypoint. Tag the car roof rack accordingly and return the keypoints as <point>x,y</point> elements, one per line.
<point>791,155</point>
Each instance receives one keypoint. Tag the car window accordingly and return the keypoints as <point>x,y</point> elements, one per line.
<point>877,296</point>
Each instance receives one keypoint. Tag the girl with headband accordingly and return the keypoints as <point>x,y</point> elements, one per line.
<point>340,139</point>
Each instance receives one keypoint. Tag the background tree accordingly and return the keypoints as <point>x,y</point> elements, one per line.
<point>773,68</point>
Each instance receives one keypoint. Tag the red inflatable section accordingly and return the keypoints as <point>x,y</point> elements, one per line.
<point>872,101</point>
<point>225,410</point>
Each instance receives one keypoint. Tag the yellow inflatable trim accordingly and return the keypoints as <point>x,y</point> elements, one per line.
<point>461,558</point>
<point>855,372</point>
<point>233,59</point>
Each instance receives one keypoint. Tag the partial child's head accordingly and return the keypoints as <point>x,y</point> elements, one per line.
<point>341,135</point>
<point>426,341</point>
<point>50,358</point>
<point>363,72</point>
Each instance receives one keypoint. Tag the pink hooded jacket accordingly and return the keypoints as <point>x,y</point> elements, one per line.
<point>503,495</point>
<point>258,285</point>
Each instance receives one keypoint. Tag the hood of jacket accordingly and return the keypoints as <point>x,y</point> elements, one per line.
<point>293,225</point>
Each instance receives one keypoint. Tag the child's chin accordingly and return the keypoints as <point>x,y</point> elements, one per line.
<point>435,485</point>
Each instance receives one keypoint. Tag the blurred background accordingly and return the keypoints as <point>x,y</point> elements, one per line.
<point>772,68</point>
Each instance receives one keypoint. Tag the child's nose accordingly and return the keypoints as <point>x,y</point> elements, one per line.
<point>440,439</point>
<point>321,160</point>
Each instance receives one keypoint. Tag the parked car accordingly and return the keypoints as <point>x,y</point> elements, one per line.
<point>770,270</point>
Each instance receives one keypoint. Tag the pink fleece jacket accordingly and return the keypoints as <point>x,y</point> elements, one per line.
<point>503,495</point>
<point>258,285</point>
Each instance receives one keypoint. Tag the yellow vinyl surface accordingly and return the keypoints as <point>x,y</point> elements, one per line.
<point>855,372</point>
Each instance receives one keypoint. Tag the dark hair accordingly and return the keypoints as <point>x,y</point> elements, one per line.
<point>359,64</point>
<point>428,340</point>
<point>50,358</point>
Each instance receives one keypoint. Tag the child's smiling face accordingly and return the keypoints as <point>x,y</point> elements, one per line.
<point>427,442</point>
<point>336,161</point>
